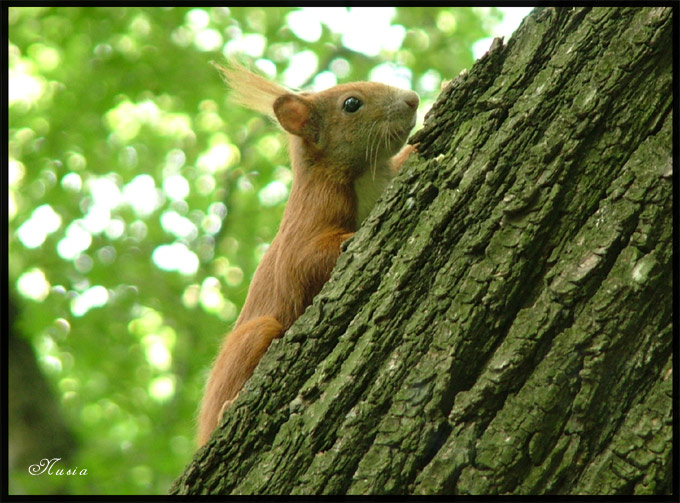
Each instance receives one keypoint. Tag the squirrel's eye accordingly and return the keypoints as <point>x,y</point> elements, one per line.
<point>351,105</point>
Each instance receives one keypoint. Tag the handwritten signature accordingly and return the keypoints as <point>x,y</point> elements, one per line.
<point>46,465</point>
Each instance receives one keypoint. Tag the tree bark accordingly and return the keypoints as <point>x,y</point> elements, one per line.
<point>502,322</point>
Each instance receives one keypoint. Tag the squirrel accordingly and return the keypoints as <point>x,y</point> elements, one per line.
<point>345,147</point>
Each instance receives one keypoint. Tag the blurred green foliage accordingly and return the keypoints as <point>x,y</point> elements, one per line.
<point>140,201</point>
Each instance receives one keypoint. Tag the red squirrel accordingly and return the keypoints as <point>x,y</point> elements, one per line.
<point>344,150</point>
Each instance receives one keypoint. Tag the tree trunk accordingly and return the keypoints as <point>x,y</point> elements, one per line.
<point>502,322</point>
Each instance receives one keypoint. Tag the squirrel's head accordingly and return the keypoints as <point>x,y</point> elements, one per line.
<point>347,129</point>
<point>353,126</point>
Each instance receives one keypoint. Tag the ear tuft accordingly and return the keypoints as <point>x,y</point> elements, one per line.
<point>250,89</point>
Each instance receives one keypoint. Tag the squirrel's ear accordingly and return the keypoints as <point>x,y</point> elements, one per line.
<point>297,116</point>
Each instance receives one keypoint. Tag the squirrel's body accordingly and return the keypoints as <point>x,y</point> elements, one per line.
<point>342,158</point>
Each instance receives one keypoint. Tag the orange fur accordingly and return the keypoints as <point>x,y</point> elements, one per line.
<point>341,161</point>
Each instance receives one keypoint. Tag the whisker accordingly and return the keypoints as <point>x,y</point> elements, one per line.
<point>368,141</point>
<point>373,146</point>
<point>371,133</point>
<point>376,149</point>
<point>372,137</point>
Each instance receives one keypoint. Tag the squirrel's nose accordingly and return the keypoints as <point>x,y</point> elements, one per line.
<point>412,100</point>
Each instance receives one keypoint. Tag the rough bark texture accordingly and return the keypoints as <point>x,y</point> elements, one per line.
<point>502,322</point>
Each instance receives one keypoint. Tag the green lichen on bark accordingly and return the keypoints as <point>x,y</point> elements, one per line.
<point>501,323</point>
